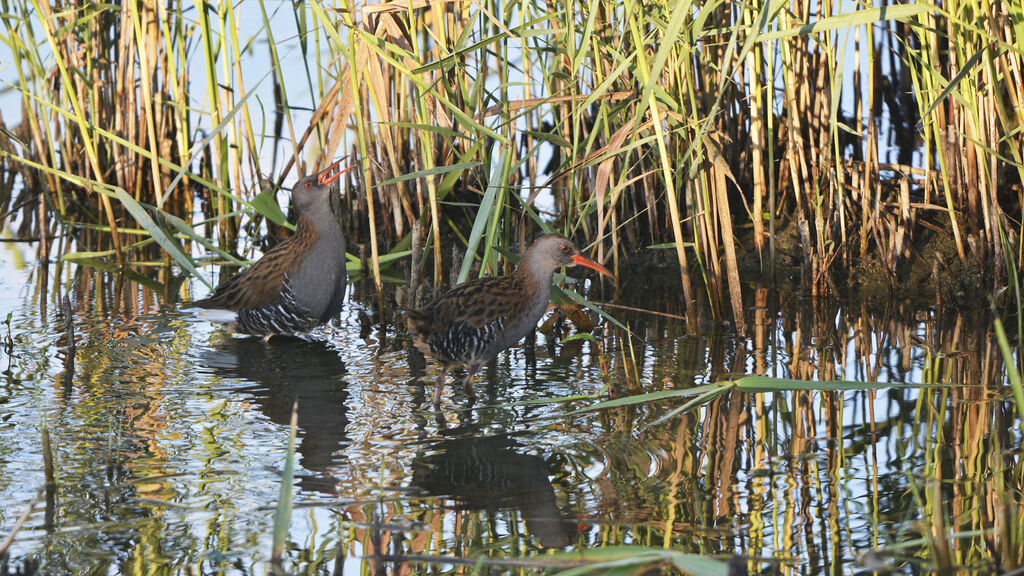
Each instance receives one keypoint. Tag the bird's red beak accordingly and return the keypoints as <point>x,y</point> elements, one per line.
<point>582,260</point>
<point>326,177</point>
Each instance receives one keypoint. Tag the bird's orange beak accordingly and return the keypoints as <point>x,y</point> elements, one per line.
<point>582,260</point>
<point>326,177</point>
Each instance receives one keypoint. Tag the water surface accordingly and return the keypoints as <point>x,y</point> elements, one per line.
<point>169,436</point>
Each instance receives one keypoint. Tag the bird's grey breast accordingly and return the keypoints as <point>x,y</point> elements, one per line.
<point>524,317</point>
<point>319,282</point>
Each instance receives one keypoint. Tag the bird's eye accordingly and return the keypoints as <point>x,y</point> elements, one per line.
<point>309,185</point>
<point>565,248</point>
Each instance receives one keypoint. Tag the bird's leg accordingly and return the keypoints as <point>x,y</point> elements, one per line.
<point>439,385</point>
<point>531,354</point>
<point>441,420</point>
<point>468,384</point>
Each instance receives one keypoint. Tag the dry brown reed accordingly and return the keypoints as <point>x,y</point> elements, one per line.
<point>717,130</point>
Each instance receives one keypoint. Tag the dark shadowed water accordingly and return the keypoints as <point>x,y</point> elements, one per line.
<point>169,436</point>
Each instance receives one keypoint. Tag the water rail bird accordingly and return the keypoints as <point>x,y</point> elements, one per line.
<point>297,285</point>
<point>474,321</point>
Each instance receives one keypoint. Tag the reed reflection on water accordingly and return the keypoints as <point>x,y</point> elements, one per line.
<point>170,434</point>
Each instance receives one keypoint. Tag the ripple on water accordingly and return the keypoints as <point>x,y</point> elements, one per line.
<point>171,435</point>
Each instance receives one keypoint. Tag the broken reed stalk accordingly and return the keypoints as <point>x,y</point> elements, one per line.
<point>48,469</point>
<point>50,474</point>
<point>69,340</point>
<point>412,287</point>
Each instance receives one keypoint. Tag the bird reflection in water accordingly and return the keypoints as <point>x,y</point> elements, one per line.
<point>487,473</point>
<point>288,370</point>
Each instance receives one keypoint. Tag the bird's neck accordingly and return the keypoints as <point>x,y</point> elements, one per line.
<point>533,277</point>
<point>305,229</point>
<point>314,226</point>
<point>534,287</point>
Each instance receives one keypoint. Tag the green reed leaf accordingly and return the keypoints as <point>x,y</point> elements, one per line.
<point>283,512</point>
<point>266,204</point>
<point>487,207</point>
<point>901,12</point>
<point>141,215</point>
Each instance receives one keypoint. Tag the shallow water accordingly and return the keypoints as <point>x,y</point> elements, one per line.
<point>169,436</point>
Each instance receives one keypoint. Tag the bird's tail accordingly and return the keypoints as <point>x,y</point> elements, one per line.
<point>217,315</point>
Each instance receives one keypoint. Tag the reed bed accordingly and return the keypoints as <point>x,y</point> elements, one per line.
<point>724,132</point>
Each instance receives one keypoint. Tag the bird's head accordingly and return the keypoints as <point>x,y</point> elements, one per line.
<point>312,193</point>
<point>552,251</point>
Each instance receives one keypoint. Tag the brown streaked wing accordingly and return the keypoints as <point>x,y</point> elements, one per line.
<point>261,283</point>
<point>477,303</point>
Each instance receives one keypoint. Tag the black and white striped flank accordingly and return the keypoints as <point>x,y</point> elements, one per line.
<point>463,342</point>
<point>283,316</point>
